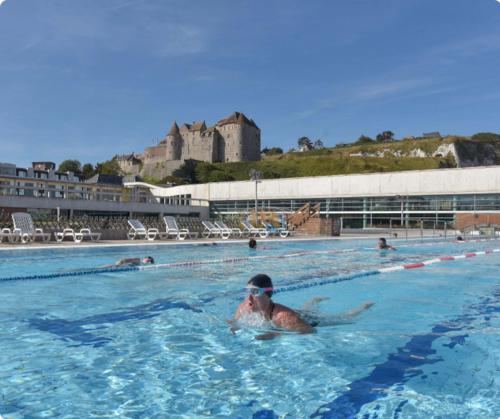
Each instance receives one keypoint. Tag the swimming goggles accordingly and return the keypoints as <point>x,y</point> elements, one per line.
<point>257,292</point>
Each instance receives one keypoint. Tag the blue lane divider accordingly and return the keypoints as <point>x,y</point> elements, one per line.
<point>311,284</point>
<point>71,273</point>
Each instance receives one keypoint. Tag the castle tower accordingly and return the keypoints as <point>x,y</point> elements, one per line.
<point>240,138</point>
<point>173,142</point>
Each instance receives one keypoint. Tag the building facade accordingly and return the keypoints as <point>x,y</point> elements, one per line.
<point>432,197</point>
<point>49,191</point>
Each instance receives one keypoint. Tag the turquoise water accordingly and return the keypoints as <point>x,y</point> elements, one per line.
<point>155,343</point>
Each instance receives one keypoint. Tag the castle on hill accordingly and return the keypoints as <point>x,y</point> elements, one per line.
<point>232,139</point>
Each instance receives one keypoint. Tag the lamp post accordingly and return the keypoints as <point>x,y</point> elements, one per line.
<point>255,176</point>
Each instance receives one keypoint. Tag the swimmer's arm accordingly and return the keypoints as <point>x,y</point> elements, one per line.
<point>128,261</point>
<point>293,323</point>
<point>232,322</point>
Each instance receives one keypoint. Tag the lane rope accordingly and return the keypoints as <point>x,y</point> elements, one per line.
<point>96,271</point>
<point>362,274</point>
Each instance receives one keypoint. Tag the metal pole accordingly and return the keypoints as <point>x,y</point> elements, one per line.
<point>256,206</point>
<point>402,212</point>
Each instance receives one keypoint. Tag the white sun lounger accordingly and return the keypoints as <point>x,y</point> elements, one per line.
<point>211,229</point>
<point>24,229</point>
<point>173,230</point>
<point>234,231</point>
<point>6,233</point>
<point>282,232</point>
<point>254,231</point>
<point>138,231</point>
<point>67,233</point>
<point>77,236</point>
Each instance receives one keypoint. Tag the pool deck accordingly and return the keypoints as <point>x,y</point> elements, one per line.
<point>120,243</point>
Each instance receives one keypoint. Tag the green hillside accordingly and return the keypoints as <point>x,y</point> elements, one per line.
<point>347,159</point>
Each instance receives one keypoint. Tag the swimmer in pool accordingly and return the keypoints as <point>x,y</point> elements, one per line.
<point>382,245</point>
<point>252,244</point>
<point>135,261</point>
<point>258,309</point>
<point>132,262</point>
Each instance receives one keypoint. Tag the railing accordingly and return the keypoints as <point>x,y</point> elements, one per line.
<point>440,227</point>
<point>303,214</point>
<point>474,230</point>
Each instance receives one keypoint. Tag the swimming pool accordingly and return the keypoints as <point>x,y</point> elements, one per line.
<point>154,343</point>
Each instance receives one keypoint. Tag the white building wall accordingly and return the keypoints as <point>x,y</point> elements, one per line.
<point>475,180</point>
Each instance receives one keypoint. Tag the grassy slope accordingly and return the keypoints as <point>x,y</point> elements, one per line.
<point>334,161</point>
<point>337,160</point>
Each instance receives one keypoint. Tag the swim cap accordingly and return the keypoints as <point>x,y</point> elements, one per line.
<point>261,281</point>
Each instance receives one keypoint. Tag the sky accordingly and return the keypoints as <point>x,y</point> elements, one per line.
<point>90,79</point>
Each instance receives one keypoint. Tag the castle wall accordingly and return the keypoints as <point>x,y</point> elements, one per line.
<point>250,145</point>
<point>157,152</point>
<point>197,147</point>
<point>174,147</point>
<point>126,166</point>
<point>232,135</point>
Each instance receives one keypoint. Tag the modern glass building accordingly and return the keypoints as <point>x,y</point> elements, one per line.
<point>412,198</point>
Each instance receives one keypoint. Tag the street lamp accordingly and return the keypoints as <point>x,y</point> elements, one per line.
<point>255,176</point>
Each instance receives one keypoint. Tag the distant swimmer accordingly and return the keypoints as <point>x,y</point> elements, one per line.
<point>135,261</point>
<point>382,245</point>
<point>460,239</point>
<point>252,244</point>
<point>258,309</point>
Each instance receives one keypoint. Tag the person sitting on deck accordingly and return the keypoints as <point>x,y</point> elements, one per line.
<point>259,309</point>
<point>382,245</point>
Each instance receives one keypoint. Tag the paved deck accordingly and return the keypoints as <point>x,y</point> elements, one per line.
<point>119,243</point>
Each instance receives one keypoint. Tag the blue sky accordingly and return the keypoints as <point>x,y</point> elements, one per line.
<point>91,78</point>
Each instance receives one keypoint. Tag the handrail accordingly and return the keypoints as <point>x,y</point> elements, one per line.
<point>303,214</point>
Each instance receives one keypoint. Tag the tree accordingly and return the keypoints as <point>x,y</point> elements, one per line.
<point>363,139</point>
<point>276,150</point>
<point>70,166</point>
<point>109,167</point>
<point>318,144</point>
<point>305,144</point>
<point>273,150</point>
<point>385,136</point>
<point>88,171</point>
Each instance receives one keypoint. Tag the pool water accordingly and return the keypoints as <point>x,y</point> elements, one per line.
<point>155,343</point>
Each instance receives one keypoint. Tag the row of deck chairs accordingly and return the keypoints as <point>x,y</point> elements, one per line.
<point>24,231</point>
<point>217,229</point>
<point>139,231</point>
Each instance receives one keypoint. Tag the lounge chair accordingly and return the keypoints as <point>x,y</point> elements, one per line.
<point>67,233</point>
<point>173,230</point>
<point>24,229</point>
<point>6,233</point>
<point>212,230</point>
<point>77,236</point>
<point>86,233</point>
<point>282,232</point>
<point>234,231</point>
<point>254,231</point>
<point>138,231</point>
